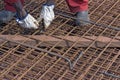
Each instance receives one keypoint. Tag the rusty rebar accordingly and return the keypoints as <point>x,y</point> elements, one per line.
<point>111,75</point>
<point>91,22</point>
<point>71,65</point>
<point>25,63</point>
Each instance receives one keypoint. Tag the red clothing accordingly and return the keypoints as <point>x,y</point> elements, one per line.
<point>77,5</point>
<point>9,5</point>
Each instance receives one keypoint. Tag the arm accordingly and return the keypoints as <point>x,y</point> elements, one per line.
<point>50,2</point>
<point>23,18</point>
<point>21,13</point>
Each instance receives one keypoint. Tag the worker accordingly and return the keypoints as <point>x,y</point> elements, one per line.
<point>79,7</point>
<point>14,8</point>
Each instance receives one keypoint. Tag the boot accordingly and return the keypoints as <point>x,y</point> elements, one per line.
<point>82,15</point>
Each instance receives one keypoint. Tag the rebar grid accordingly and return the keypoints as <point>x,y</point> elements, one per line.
<point>19,62</point>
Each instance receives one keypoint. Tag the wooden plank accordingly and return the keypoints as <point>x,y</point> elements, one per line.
<point>67,41</point>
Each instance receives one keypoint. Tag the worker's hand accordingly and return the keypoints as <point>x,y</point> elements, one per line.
<point>28,22</point>
<point>47,14</point>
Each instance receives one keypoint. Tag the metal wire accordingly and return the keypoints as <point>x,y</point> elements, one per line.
<point>110,74</point>
<point>91,22</point>
<point>71,65</point>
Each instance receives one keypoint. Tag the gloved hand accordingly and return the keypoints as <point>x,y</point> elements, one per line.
<point>47,14</point>
<point>28,22</point>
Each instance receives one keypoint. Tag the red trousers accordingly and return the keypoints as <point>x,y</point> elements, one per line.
<point>77,5</point>
<point>9,5</point>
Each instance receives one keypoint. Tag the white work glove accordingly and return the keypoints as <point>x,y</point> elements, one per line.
<point>28,22</point>
<point>47,14</point>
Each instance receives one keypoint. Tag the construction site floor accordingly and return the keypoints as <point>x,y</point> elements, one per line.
<point>25,53</point>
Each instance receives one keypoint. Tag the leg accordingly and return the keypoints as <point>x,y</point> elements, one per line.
<point>6,16</point>
<point>80,7</point>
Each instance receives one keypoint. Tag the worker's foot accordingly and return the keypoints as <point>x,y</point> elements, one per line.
<point>82,18</point>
